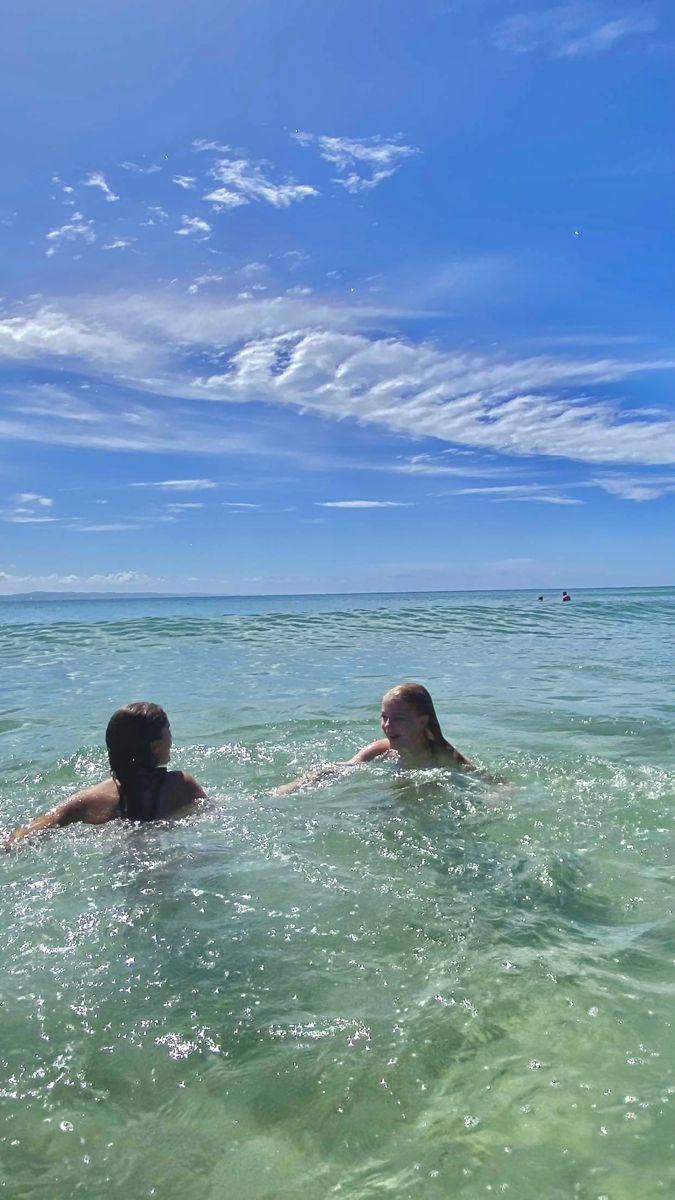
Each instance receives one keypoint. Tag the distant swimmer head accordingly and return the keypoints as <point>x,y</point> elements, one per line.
<point>566,596</point>
<point>138,739</point>
<point>409,718</point>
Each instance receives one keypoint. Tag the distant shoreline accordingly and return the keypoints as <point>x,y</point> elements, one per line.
<point>18,597</point>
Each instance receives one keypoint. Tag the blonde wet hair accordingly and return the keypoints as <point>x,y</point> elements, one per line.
<point>419,699</point>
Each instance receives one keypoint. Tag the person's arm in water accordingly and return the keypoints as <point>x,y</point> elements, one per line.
<point>93,806</point>
<point>99,804</point>
<point>365,754</point>
<point>376,750</point>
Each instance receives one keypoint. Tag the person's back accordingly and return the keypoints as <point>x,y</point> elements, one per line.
<point>138,738</point>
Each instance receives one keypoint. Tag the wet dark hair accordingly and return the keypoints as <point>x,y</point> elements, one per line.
<point>129,737</point>
<point>419,699</point>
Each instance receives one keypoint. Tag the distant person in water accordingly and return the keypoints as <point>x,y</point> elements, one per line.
<point>412,736</point>
<point>565,597</point>
<point>140,788</point>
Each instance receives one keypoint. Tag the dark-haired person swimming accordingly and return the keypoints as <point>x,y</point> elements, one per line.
<point>412,736</point>
<point>140,788</point>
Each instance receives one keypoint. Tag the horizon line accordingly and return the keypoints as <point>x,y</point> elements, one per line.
<point>85,595</point>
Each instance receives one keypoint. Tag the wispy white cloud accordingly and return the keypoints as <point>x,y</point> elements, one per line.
<point>244,182</point>
<point>433,466</point>
<point>378,157</point>
<point>10,582</point>
<point>28,508</point>
<point>179,485</point>
<point>54,333</point>
<point>200,281</point>
<point>315,363</point>
<point>66,190</point>
<point>156,215</point>
<point>34,499</point>
<point>140,169</point>
<point>295,258</point>
<point>571,30</point>
<point>538,493</point>
<point>110,527</point>
<point>179,508</point>
<point>27,518</point>
<point>194,227</point>
<point>552,499</point>
<point>78,228</point>
<point>253,268</point>
<point>525,407</point>
<point>362,504</point>
<point>202,144</point>
<point>117,423</point>
<point>96,179</point>
<point>119,243</point>
<point>637,488</point>
<point>187,182</point>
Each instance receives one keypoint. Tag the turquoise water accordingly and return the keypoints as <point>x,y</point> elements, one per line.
<point>383,986</point>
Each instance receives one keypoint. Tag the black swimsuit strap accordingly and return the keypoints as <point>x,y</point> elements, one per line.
<point>159,778</point>
<point>155,777</point>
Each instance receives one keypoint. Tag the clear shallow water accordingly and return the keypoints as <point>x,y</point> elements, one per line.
<point>382,986</point>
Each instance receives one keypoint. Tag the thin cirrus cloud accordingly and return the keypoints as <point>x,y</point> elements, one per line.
<point>633,487</point>
<point>361,163</point>
<point>140,169</point>
<point>72,581</point>
<point>362,504</point>
<point>552,499</point>
<point>33,499</point>
<point>179,485</point>
<point>239,180</point>
<point>527,406</point>
<point>77,229</point>
<point>242,181</point>
<point>549,405</point>
<point>155,215</point>
<point>535,493</point>
<point>569,31</point>
<point>194,227</point>
<point>16,518</point>
<point>29,508</point>
<point>428,465</point>
<point>119,243</point>
<point>96,179</point>
<point>110,527</point>
<point>200,281</point>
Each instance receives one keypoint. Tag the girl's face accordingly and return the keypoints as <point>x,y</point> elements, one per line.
<point>161,747</point>
<point>404,727</point>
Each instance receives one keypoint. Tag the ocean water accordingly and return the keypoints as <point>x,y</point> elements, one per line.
<point>386,985</point>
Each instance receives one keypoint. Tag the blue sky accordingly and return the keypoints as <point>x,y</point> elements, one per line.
<point>332,296</point>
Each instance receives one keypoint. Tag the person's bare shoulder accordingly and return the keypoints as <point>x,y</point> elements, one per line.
<point>93,805</point>
<point>184,788</point>
<point>107,790</point>
<point>368,753</point>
